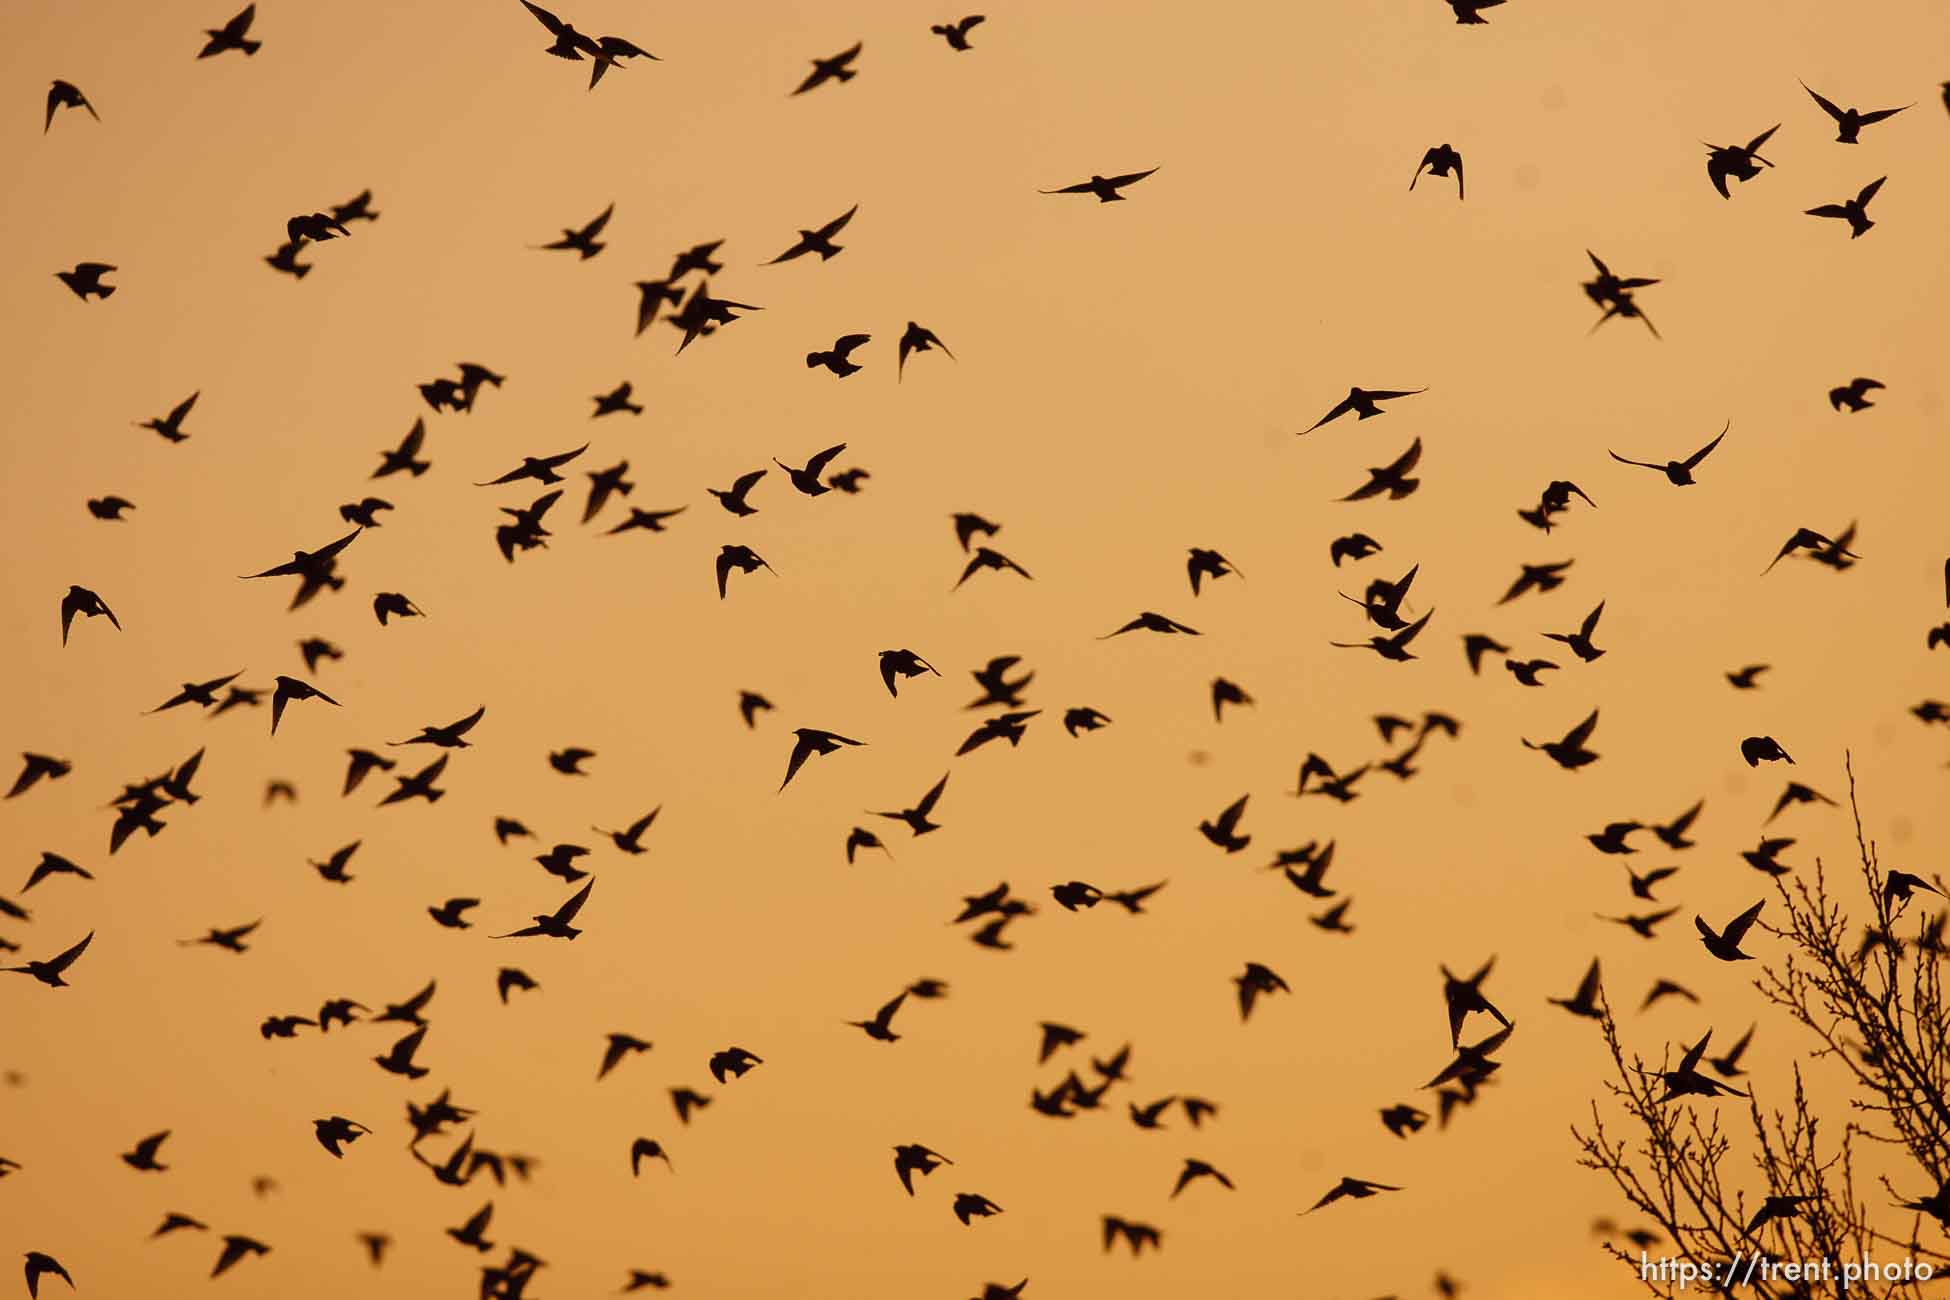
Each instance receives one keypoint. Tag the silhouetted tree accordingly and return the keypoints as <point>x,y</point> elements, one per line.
<point>1872,1003</point>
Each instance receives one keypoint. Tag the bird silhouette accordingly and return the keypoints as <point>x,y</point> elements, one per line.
<point>1855,211</point>
<point>818,241</point>
<point>1679,473</point>
<point>918,338</point>
<point>1364,402</point>
<point>231,36</point>
<point>1737,160</point>
<point>880,1028</point>
<point>1725,943</point>
<point>1580,640</point>
<point>837,68</point>
<point>1854,395</point>
<point>1440,160</point>
<point>1391,478</point>
<point>49,972</point>
<point>1570,753</point>
<point>84,280</point>
<point>808,741</point>
<point>1108,189</point>
<point>1850,121</point>
<point>582,239</point>
<point>741,558</point>
<point>956,33</point>
<point>80,600</point>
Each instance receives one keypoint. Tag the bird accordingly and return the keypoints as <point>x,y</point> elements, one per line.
<point>1747,678</point>
<point>199,693</point>
<point>988,558</point>
<point>109,507</point>
<point>1570,753</point>
<point>1355,546</point>
<point>1725,943</point>
<point>1364,402</point>
<point>1358,1188</point>
<point>451,736</point>
<point>902,664</point>
<point>405,457</point>
<point>1196,1169</point>
<point>568,761</point>
<point>806,478</point>
<point>289,689</point>
<point>556,924</point>
<point>84,280</point>
<point>1760,749</point>
<point>232,36</point>
<point>1147,621</point>
<point>619,1046</point>
<point>143,1156</point>
<point>1737,161</point>
<point>1391,478</point>
<point>1202,563</point>
<point>1796,793</point>
<point>39,1265</point>
<point>1256,982</point>
<point>540,468</point>
<point>337,1131</point>
<point>1666,988</point>
<point>1526,670</point>
<point>1392,646</point>
<point>733,498</point>
<point>1642,886</point>
<point>333,868</point>
<point>1679,473</point>
<point>808,741</point>
<point>510,978</point>
<point>1222,830</point>
<point>449,913</point>
<point>741,558</point>
<point>49,972</point>
<point>36,768</point>
<point>837,68</point>
<point>630,838</point>
<point>1580,640</point>
<point>1440,160</point>
<point>1855,211</point>
<point>916,818</point>
<point>237,1248</point>
<point>838,358</point>
<point>1476,645</point>
<point>582,239</point>
<point>640,1278</point>
<point>1854,395</point>
<point>819,241</point>
<point>1807,539</point>
<point>1108,189</point>
<point>80,600</point>
<point>394,604</point>
<point>956,33</point>
<point>65,94</point>
<point>1584,1002</point>
<point>919,338</point>
<point>1226,692</point>
<point>880,1028</point>
<point>1537,577</point>
<point>1850,121</point>
<point>616,400</point>
<point>969,1206</point>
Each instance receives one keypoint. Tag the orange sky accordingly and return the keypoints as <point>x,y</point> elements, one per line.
<point>1127,381</point>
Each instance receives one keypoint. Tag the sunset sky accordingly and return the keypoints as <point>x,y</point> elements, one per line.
<point>1126,383</point>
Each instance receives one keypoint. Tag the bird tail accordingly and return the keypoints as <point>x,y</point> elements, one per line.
<point>108,290</point>
<point>251,47</point>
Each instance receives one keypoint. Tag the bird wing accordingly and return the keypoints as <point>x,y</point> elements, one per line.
<point>1869,191</point>
<point>1881,114</point>
<point>595,227</point>
<point>567,912</point>
<point>1828,210</point>
<point>58,964</point>
<point>932,797</point>
<point>1408,459</point>
<point>1577,735</point>
<point>838,223</point>
<point>1693,460</point>
<point>1129,178</point>
<point>1739,925</point>
<point>1826,107</point>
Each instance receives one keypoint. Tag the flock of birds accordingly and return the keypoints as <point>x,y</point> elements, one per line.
<point>683,300</point>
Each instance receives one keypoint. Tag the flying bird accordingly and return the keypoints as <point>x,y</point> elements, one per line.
<point>65,94</point>
<point>1854,395</point>
<point>956,33</point>
<point>1855,211</point>
<point>1391,478</point>
<point>85,280</point>
<point>918,338</point>
<point>582,239</point>
<point>837,68</point>
<point>1679,473</point>
<point>819,240</point>
<point>80,600</point>
<point>1850,121</point>
<point>1108,189</point>
<point>231,36</point>
<point>1737,161</point>
<point>1440,160</point>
